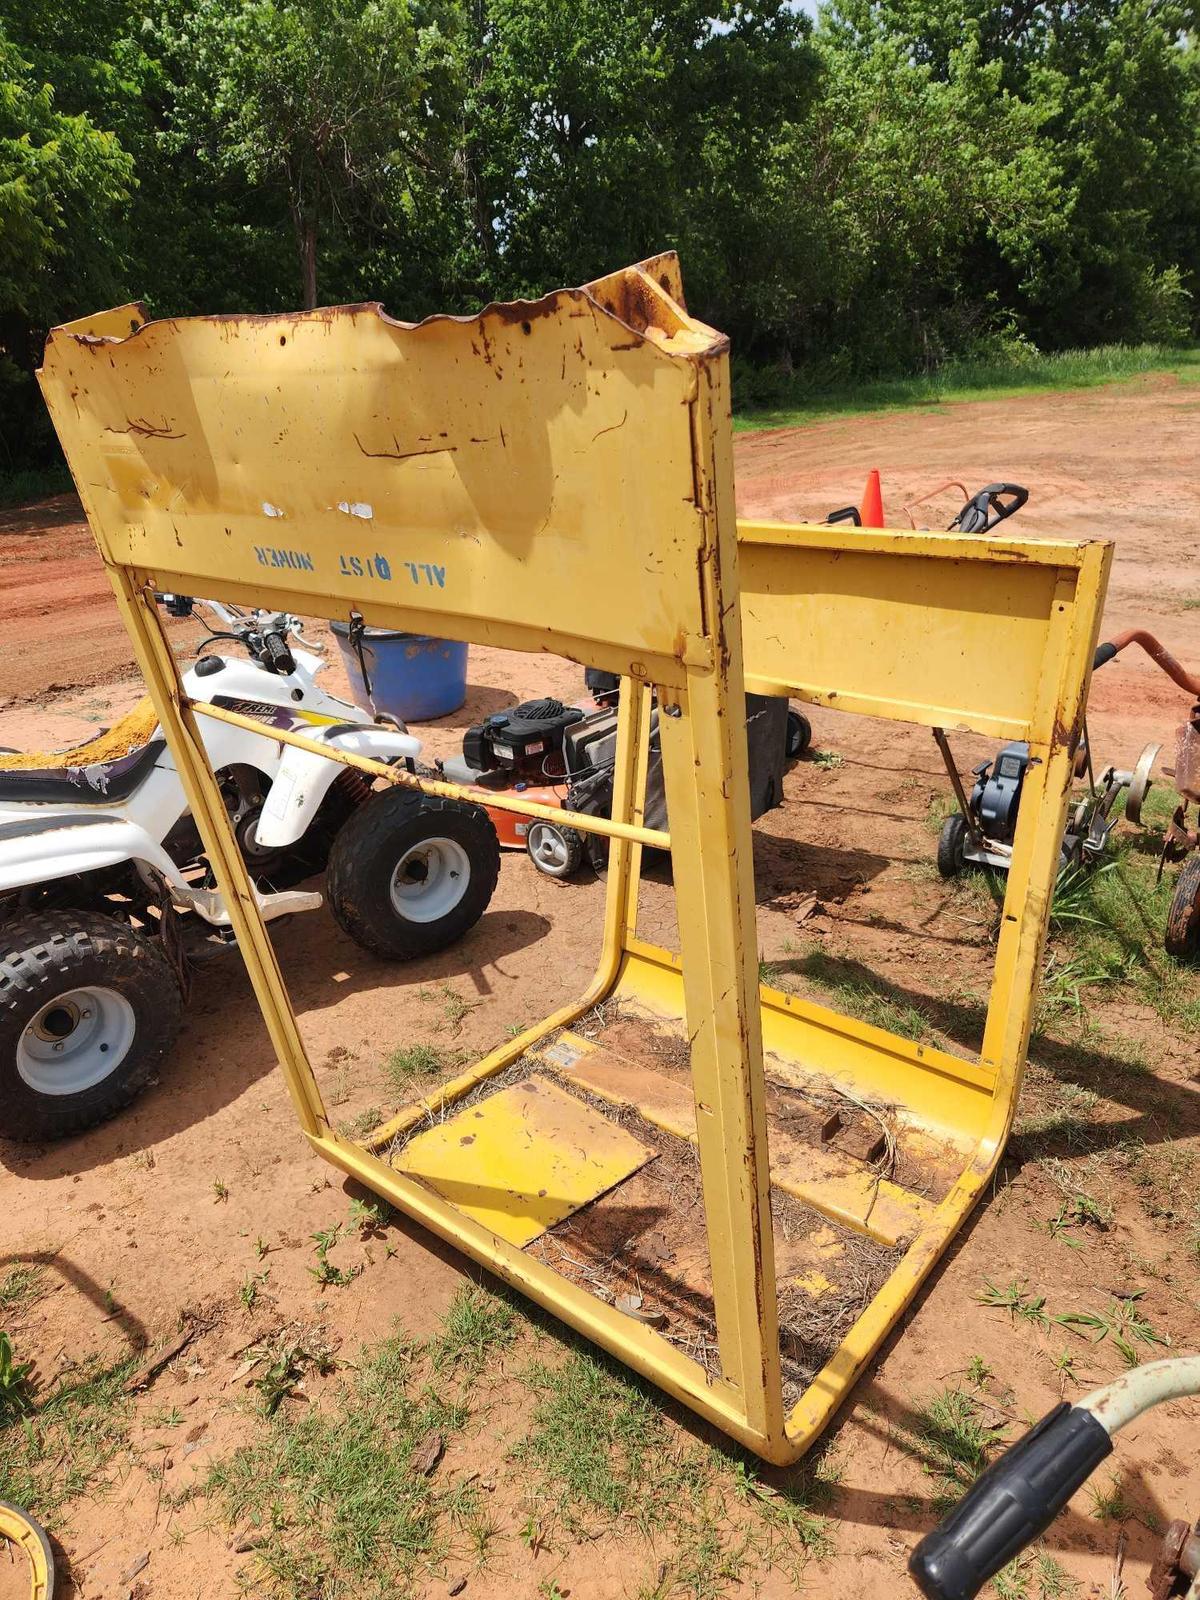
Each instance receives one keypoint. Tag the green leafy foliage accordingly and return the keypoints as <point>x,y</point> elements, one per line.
<point>15,1382</point>
<point>58,1445</point>
<point>903,186</point>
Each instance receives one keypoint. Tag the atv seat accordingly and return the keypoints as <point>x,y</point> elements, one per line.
<point>102,771</point>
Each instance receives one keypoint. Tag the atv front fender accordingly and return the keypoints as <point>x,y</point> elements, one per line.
<point>302,778</point>
<point>37,849</point>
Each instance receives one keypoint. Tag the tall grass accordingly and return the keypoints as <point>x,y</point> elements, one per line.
<point>20,485</point>
<point>773,400</point>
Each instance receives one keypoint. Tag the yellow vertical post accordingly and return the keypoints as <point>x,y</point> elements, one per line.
<point>703,736</point>
<point>640,755</point>
<point>1055,729</point>
<point>207,807</point>
<point>628,805</point>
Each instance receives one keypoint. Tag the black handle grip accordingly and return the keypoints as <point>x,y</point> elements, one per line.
<point>846,514</point>
<point>1008,497</point>
<point>990,506</point>
<point>280,658</point>
<point>1010,1504</point>
<point>1104,652</point>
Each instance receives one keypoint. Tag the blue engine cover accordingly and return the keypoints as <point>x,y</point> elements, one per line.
<point>997,792</point>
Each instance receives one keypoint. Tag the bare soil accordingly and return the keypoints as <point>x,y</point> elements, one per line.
<point>156,1214</point>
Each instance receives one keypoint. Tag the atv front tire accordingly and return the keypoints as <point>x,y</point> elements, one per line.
<point>88,1010</point>
<point>410,874</point>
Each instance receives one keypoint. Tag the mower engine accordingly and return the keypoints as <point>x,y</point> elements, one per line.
<point>526,742</point>
<point>997,791</point>
<point>981,832</point>
<point>555,755</point>
<point>983,835</point>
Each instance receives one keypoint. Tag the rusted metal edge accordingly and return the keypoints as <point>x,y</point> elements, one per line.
<point>632,297</point>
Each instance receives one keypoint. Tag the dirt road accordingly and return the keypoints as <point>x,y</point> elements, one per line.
<point>158,1213</point>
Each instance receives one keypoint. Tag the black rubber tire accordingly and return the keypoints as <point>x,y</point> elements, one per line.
<point>799,735</point>
<point>951,843</point>
<point>52,951</point>
<point>1182,938</point>
<point>573,843</point>
<point>367,851</point>
<point>294,863</point>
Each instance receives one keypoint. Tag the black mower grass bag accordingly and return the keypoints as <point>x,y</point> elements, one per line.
<point>591,753</point>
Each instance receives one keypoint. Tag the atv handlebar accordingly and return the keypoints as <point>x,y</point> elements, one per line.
<point>263,633</point>
<point>280,658</point>
<point>1022,1492</point>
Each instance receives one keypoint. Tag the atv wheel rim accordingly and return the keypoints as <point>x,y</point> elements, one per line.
<point>430,880</point>
<point>76,1041</point>
<point>548,848</point>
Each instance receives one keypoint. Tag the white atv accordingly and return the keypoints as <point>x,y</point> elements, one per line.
<point>107,901</point>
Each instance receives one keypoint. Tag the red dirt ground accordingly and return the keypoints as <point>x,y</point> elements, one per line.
<point>127,1213</point>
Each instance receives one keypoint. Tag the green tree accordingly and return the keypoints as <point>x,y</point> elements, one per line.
<point>63,186</point>
<point>598,132</point>
<point>1116,92</point>
<point>340,107</point>
<point>913,179</point>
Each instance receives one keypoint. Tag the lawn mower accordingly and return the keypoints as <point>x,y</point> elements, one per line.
<point>564,755</point>
<point>980,832</point>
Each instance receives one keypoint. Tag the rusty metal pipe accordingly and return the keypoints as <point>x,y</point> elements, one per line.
<point>1157,652</point>
<point>500,801</point>
<point>928,495</point>
<point>960,794</point>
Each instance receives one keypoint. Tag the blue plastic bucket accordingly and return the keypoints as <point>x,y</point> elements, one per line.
<point>413,676</point>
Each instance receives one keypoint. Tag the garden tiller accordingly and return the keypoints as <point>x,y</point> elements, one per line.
<point>1181,840</point>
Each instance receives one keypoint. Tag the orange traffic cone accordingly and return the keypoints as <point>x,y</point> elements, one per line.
<point>871,511</point>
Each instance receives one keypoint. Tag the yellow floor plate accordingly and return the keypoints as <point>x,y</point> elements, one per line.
<point>840,1188</point>
<point>523,1159</point>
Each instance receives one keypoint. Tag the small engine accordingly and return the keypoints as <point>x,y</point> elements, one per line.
<point>997,792</point>
<point>528,740</point>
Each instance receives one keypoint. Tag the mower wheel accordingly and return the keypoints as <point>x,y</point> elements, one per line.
<point>88,1010</point>
<point>554,850</point>
<point>1182,938</point>
<point>410,874</point>
<point>799,735</point>
<point>952,842</point>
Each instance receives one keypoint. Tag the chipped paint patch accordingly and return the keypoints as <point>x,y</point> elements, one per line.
<point>814,1284</point>
<point>271,511</point>
<point>356,508</point>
